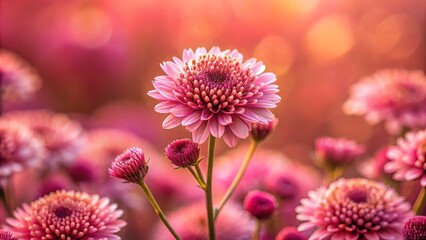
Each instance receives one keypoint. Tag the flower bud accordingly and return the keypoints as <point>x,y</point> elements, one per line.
<point>183,152</point>
<point>130,165</point>
<point>260,204</point>
<point>260,131</point>
<point>414,228</point>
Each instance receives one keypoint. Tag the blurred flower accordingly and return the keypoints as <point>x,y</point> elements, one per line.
<point>414,228</point>
<point>354,209</point>
<point>18,80</point>
<point>53,184</point>
<point>19,148</point>
<point>395,96</point>
<point>183,152</point>
<point>260,204</point>
<point>215,93</point>
<point>59,215</point>
<point>374,167</point>
<point>407,159</point>
<point>260,131</point>
<point>130,166</point>
<point>62,137</point>
<point>190,222</point>
<point>334,152</point>
<point>82,171</point>
<point>6,235</point>
<point>290,233</point>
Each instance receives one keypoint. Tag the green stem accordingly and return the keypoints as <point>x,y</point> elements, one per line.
<point>199,180</point>
<point>421,199</point>
<point>237,177</point>
<point>200,173</point>
<point>256,233</point>
<point>158,209</point>
<point>333,174</point>
<point>209,195</point>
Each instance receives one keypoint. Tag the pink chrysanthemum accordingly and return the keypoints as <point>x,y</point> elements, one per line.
<point>334,152</point>
<point>67,215</point>
<point>260,204</point>
<point>190,222</point>
<point>414,228</point>
<point>18,80</point>
<point>395,96</point>
<point>62,137</point>
<point>6,235</point>
<point>183,152</point>
<point>407,159</point>
<point>19,148</point>
<point>354,209</point>
<point>215,92</point>
<point>130,166</point>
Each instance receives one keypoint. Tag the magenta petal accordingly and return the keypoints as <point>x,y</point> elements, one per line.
<point>201,134</point>
<point>216,129</point>
<point>239,128</point>
<point>191,118</point>
<point>171,122</point>
<point>224,119</point>
<point>180,110</point>
<point>371,236</point>
<point>206,114</point>
<point>230,138</point>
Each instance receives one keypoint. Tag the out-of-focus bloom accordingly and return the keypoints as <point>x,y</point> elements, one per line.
<point>82,171</point>
<point>407,159</point>
<point>183,152</point>
<point>333,152</point>
<point>414,228</point>
<point>62,137</point>
<point>395,96</point>
<point>18,80</point>
<point>6,235</point>
<point>260,131</point>
<point>215,92</point>
<point>190,222</point>
<point>130,166</point>
<point>53,184</point>
<point>67,215</point>
<point>354,209</point>
<point>290,233</point>
<point>260,204</point>
<point>19,148</point>
<point>374,167</point>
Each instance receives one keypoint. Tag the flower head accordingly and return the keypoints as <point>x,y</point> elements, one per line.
<point>260,204</point>
<point>6,235</point>
<point>290,233</point>
<point>130,166</point>
<point>395,96</point>
<point>260,131</point>
<point>67,215</point>
<point>215,92</point>
<point>17,79</point>
<point>354,209</point>
<point>407,159</point>
<point>190,222</point>
<point>414,228</point>
<point>183,152</point>
<point>334,152</point>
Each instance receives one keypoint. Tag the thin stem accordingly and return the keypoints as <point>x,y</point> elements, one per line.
<point>158,209</point>
<point>7,195</point>
<point>332,174</point>
<point>199,180</point>
<point>237,177</point>
<point>256,233</point>
<point>209,195</point>
<point>200,173</point>
<point>421,199</point>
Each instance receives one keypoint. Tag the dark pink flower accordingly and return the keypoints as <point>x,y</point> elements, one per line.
<point>260,131</point>
<point>183,152</point>
<point>215,92</point>
<point>395,96</point>
<point>407,158</point>
<point>18,80</point>
<point>354,209</point>
<point>6,235</point>
<point>414,228</point>
<point>260,204</point>
<point>290,233</point>
<point>334,152</point>
<point>67,215</point>
<point>130,165</point>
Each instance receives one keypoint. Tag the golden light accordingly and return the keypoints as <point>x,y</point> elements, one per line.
<point>296,7</point>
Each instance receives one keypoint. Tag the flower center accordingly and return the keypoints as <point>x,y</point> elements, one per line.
<point>62,212</point>
<point>217,76</point>
<point>357,196</point>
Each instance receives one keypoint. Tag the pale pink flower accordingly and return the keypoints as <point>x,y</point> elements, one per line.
<point>333,152</point>
<point>407,158</point>
<point>19,148</point>
<point>215,92</point>
<point>18,80</point>
<point>354,209</point>
<point>62,137</point>
<point>190,222</point>
<point>394,96</point>
<point>67,215</point>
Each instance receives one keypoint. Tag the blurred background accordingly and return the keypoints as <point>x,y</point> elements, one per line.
<point>98,58</point>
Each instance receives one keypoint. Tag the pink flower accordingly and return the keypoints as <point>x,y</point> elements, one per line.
<point>260,131</point>
<point>215,92</point>
<point>395,96</point>
<point>6,235</point>
<point>18,80</point>
<point>407,159</point>
<point>260,204</point>
<point>290,233</point>
<point>130,166</point>
<point>19,148</point>
<point>336,151</point>
<point>67,215</point>
<point>354,209</point>
<point>414,228</point>
<point>190,222</point>
<point>183,152</point>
